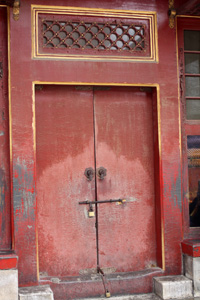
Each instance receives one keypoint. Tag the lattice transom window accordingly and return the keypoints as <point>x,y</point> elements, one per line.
<point>92,35</point>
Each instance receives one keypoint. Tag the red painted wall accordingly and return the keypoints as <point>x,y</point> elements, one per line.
<point>25,70</point>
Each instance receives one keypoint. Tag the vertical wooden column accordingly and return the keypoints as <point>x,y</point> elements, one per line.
<point>23,154</point>
<point>5,218</point>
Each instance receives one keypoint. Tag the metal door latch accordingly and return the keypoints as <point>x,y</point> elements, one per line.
<point>89,173</point>
<point>103,201</point>
<point>91,213</point>
<point>101,173</point>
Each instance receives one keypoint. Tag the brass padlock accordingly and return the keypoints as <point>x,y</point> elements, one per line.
<point>122,201</point>
<point>108,294</point>
<point>90,213</point>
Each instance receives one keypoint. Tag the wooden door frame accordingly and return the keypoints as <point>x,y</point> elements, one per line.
<point>8,129</point>
<point>189,23</point>
<point>157,157</point>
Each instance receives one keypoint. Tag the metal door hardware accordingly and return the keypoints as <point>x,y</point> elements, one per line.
<point>103,201</point>
<point>89,173</point>
<point>91,213</point>
<point>101,173</point>
<point>105,283</point>
<point>108,295</point>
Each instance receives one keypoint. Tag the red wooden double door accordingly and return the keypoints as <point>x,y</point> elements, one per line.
<point>80,127</point>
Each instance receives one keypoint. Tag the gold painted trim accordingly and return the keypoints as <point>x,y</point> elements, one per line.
<point>3,5</point>
<point>179,118</point>
<point>33,120</point>
<point>155,24</point>
<point>37,255</point>
<point>16,7</point>
<point>95,57</point>
<point>179,101</point>
<point>34,150</point>
<point>10,126</point>
<point>87,10</point>
<point>160,168</point>
<point>149,16</point>
<point>186,16</point>
<point>172,14</point>
<point>163,244</point>
<point>9,83</point>
<point>157,86</point>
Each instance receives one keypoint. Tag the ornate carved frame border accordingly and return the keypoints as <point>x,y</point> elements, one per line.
<point>126,14</point>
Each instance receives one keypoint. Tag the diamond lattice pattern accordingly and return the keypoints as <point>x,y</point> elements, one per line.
<point>96,36</point>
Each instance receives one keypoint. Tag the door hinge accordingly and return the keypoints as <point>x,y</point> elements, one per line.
<point>1,69</point>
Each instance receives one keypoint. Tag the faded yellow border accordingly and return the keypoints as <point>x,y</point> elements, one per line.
<point>65,10</point>
<point>186,16</point>
<point>179,116</point>
<point>179,103</point>
<point>9,83</point>
<point>10,124</point>
<point>157,86</point>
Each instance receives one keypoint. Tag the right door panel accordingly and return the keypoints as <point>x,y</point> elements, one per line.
<point>124,146</point>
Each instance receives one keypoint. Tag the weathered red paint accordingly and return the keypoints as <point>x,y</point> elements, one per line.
<point>191,247</point>
<point>64,149</point>
<point>5,216</point>
<point>124,146</point>
<point>66,139</point>
<point>8,261</point>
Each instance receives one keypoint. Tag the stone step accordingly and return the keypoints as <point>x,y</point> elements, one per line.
<point>91,285</point>
<point>36,293</point>
<point>8,284</point>
<point>45,293</point>
<point>150,296</point>
<point>191,262</point>
<point>170,287</point>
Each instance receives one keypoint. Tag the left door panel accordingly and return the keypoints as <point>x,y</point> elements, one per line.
<point>5,205</point>
<point>64,149</point>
